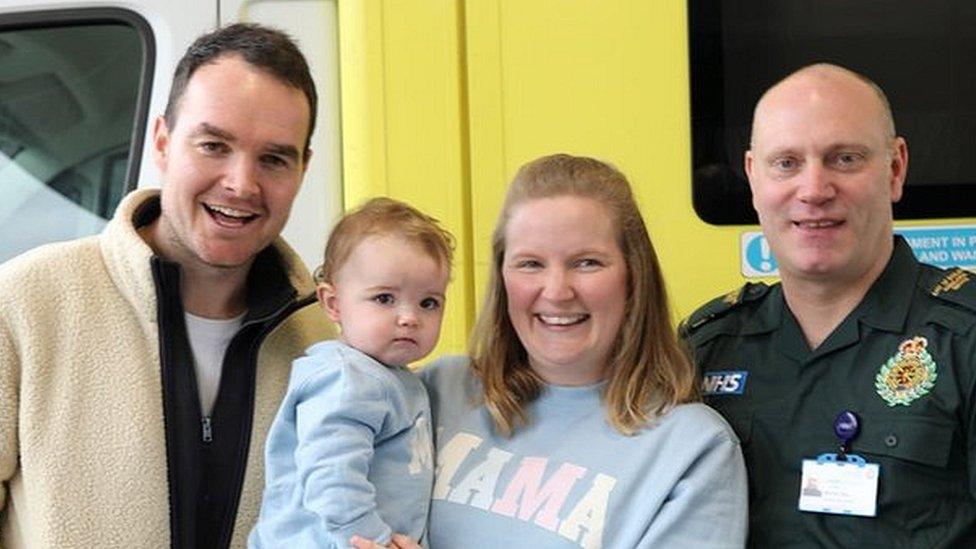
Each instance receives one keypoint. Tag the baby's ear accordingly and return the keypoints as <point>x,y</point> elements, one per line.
<point>329,300</point>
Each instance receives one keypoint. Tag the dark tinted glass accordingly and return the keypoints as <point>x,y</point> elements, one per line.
<point>71,120</point>
<point>923,54</point>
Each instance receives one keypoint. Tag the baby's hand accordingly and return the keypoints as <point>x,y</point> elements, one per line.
<point>399,541</point>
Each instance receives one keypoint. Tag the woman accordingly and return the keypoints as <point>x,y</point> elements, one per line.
<point>574,423</point>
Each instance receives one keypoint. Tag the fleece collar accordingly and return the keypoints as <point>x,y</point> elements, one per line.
<point>128,257</point>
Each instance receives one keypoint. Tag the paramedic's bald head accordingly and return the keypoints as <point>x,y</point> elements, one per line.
<point>816,81</point>
<point>825,168</point>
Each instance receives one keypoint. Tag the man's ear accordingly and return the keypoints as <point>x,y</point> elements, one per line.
<point>899,168</point>
<point>160,143</point>
<point>748,163</point>
<point>305,161</point>
<point>329,300</point>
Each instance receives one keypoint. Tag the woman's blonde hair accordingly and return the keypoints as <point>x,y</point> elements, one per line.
<point>649,372</point>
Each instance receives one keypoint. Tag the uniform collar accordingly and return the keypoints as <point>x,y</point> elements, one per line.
<point>887,302</point>
<point>884,307</point>
<point>769,314</point>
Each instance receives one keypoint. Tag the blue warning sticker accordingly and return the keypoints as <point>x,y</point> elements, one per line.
<point>945,246</point>
<point>757,258</point>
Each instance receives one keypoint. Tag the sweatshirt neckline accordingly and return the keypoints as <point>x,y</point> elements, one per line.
<point>571,395</point>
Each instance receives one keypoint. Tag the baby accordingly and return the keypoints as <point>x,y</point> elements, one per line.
<point>350,452</point>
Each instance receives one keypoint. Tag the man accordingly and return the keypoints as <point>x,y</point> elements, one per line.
<point>859,351</point>
<point>140,369</point>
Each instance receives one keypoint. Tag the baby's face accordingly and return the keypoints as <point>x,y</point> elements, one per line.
<point>388,299</point>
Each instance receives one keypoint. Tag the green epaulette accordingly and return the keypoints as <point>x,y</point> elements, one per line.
<point>719,306</point>
<point>956,286</point>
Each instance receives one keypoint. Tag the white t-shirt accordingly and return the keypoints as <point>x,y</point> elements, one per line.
<point>209,339</point>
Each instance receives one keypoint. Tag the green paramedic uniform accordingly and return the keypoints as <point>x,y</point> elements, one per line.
<point>904,361</point>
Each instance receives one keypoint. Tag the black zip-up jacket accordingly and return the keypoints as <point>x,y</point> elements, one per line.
<point>207,456</point>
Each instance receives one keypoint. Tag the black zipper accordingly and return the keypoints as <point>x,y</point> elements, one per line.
<point>207,429</point>
<point>273,320</point>
<point>206,421</point>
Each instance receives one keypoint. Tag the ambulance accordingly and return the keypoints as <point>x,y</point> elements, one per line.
<point>438,102</point>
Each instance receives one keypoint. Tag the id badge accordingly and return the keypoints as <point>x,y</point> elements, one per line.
<point>839,486</point>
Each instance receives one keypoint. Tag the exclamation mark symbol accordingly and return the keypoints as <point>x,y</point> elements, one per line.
<point>766,264</point>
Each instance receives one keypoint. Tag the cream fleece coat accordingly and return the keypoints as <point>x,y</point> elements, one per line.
<point>82,434</point>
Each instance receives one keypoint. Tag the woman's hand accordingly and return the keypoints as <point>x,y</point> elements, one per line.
<point>399,541</point>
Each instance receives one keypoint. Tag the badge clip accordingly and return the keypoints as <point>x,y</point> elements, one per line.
<point>853,459</point>
<point>846,427</point>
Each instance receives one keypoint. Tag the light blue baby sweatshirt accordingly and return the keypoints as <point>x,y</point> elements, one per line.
<point>349,453</point>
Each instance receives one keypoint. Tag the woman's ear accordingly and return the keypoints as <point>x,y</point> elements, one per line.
<point>329,300</point>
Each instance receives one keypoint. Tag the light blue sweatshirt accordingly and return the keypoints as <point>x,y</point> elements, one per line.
<point>570,480</point>
<point>349,453</point>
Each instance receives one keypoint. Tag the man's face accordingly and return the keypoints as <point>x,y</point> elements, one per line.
<point>824,172</point>
<point>231,164</point>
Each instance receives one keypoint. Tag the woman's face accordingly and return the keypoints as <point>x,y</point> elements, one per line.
<point>566,280</point>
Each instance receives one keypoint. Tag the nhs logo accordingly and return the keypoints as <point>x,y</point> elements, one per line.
<point>725,383</point>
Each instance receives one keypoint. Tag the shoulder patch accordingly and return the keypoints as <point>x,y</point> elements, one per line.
<point>719,306</point>
<point>956,286</point>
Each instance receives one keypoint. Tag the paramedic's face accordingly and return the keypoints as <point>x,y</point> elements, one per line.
<point>231,165</point>
<point>388,299</point>
<point>824,171</point>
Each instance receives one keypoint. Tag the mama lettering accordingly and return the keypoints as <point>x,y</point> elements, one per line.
<point>527,495</point>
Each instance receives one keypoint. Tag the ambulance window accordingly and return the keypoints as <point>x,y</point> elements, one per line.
<point>920,53</point>
<point>73,101</point>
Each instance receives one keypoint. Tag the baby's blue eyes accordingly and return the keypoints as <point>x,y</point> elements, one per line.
<point>429,303</point>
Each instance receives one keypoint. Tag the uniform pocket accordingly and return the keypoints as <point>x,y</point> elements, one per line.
<point>918,439</point>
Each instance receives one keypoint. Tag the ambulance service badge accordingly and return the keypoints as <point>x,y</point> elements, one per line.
<point>908,375</point>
